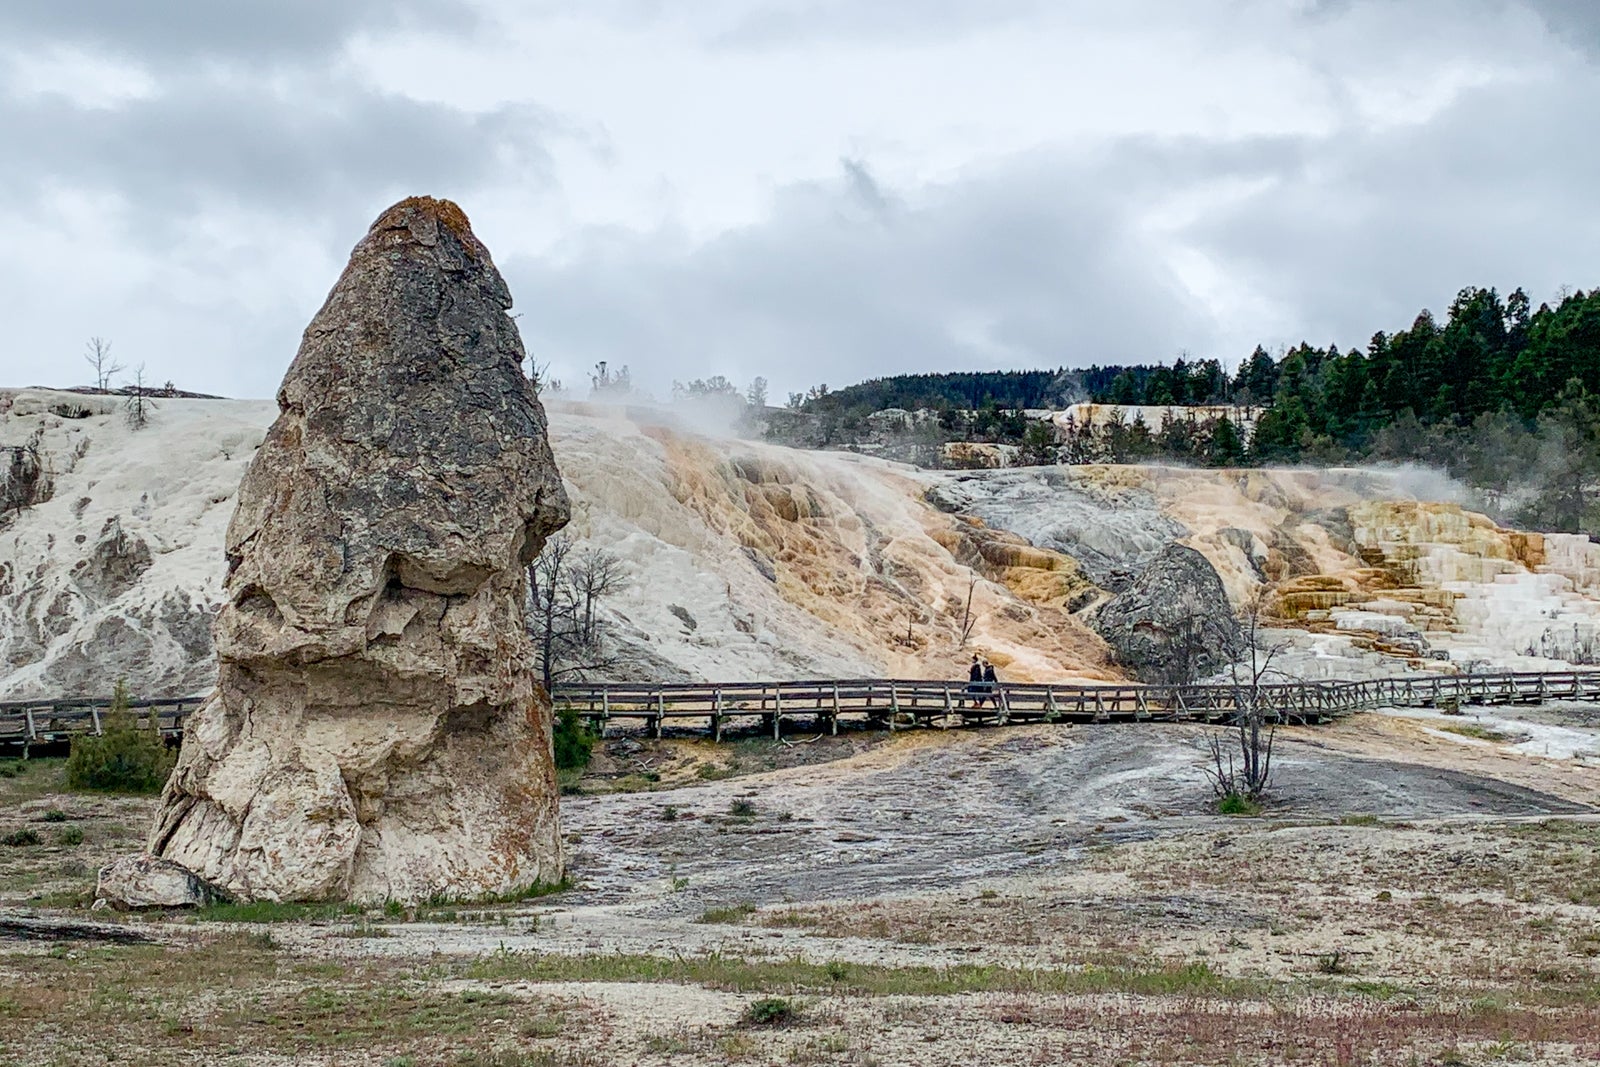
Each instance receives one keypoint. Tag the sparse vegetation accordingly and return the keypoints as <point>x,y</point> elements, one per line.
<point>21,838</point>
<point>771,1011</point>
<point>740,808</point>
<point>1334,962</point>
<point>1237,804</point>
<point>71,837</point>
<point>1473,730</point>
<point>730,914</point>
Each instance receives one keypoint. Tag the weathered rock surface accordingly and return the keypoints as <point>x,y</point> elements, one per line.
<point>143,881</point>
<point>376,732</point>
<point>1173,623</point>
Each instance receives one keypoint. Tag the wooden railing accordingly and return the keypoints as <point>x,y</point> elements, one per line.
<point>894,703</point>
<point>898,703</point>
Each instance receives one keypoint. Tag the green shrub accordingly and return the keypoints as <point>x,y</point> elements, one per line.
<point>72,836</point>
<point>1237,804</point>
<point>55,815</point>
<point>771,1011</point>
<point>124,758</point>
<point>574,743</point>
<point>18,838</point>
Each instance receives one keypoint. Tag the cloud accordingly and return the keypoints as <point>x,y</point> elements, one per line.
<point>173,31</point>
<point>1378,223</point>
<point>1129,252</point>
<point>1576,21</point>
<point>1036,262</point>
<point>318,149</point>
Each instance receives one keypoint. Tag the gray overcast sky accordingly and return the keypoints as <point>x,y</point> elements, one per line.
<point>810,190</point>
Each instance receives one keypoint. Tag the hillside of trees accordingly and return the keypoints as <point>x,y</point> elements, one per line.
<point>1501,394</point>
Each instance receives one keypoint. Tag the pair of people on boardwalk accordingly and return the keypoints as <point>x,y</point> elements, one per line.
<point>980,681</point>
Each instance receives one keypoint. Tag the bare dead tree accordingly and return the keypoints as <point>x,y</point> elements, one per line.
<point>138,405</point>
<point>98,356</point>
<point>596,574</point>
<point>539,375</point>
<point>968,620</point>
<point>565,587</point>
<point>1241,756</point>
<point>24,479</point>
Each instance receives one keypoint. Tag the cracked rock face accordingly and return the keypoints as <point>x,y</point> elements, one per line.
<point>1173,623</point>
<point>376,732</point>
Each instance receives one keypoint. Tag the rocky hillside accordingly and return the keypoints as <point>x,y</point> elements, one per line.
<point>746,560</point>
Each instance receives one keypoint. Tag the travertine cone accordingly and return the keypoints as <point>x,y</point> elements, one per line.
<point>376,732</point>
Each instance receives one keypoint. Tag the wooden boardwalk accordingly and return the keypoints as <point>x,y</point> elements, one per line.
<point>896,704</point>
<point>820,706</point>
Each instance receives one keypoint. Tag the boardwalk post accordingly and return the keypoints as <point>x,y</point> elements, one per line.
<point>661,711</point>
<point>777,714</point>
<point>94,713</point>
<point>946,688</point>
<point>894,707</point>
<point>33,729</point>
<point>833,725</point>
<point>1003,715</point>
<point>716,715</point>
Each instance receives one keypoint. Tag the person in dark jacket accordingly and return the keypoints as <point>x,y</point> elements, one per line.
<point>975,681</point>
<point>990,683</point>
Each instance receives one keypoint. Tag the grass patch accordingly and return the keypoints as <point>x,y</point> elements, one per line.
<point>515,896</point>
<point>1363,819</point>
<point>741,808</point>
<point>1473,730</point>
<point>1237,804</point>
<point>717,971</point>
<point>268,911</point>
<point>31,779</point>
<point>731,914</point>
<point>271,911</point>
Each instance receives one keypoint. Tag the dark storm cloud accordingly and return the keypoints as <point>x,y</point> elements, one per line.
<point>298,154</point>
<point>1575,21</point>
<point>1030,264</point>
<point>164,31</point>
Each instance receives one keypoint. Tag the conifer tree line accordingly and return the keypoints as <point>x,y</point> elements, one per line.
<point>1499,393</point>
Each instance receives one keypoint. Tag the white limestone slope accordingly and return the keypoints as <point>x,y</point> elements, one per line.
<point>750,561</point>
<point>745,561</point>
<point>80,605</point>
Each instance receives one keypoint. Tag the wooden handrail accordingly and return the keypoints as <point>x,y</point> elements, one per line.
<point>891,701</point>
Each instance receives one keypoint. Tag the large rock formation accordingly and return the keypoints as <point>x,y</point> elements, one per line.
<point>1173,623</point>
<point>376,732</point>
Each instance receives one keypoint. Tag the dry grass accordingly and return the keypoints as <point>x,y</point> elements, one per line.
<point>225,996</point>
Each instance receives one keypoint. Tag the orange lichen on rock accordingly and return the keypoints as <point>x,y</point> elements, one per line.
<point>417,213</point>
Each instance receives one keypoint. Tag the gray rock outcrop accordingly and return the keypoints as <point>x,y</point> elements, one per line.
<point>376,732</point>
<point>133,883</point>
<point>1173,622</point>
